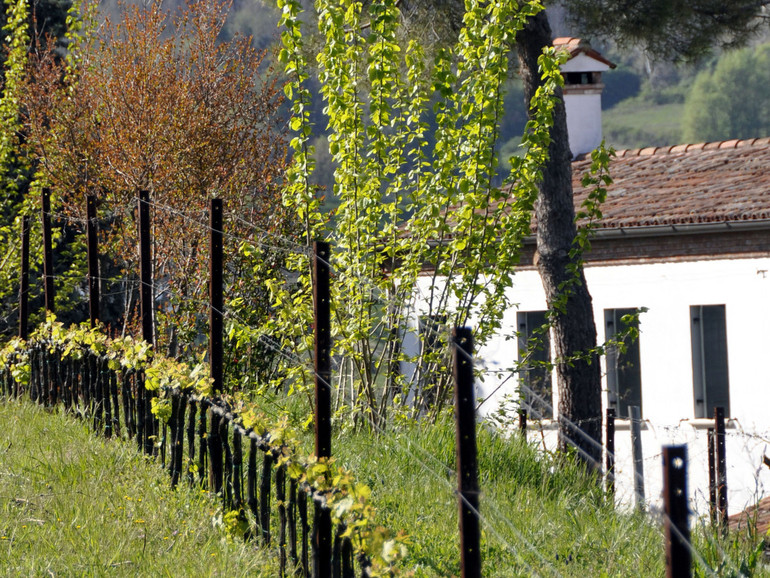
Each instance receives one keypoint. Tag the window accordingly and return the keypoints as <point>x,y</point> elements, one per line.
<point>624,372</point>
<point>433,332</point>
<point>709,359</point>
<point>535,357</point>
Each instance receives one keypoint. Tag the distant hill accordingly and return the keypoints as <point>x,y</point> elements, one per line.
<point>644,103</point>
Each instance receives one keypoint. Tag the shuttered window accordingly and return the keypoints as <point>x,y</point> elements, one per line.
<point>535,357</point>
<point>711,384</point>
<point>624,372</point>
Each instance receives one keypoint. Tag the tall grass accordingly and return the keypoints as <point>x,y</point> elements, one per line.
<point>74,504</point>
<point>543,514</point>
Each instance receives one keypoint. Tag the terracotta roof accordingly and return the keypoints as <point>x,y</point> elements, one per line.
<point>577,45</point>
<point>718,182</point>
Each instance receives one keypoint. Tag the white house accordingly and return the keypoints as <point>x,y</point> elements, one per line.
<point>685,235</point>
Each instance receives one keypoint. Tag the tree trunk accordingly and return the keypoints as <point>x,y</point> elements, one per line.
<point>574,331</point>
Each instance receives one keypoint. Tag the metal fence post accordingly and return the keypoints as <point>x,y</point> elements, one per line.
<point>638,456</point>
<point>93,259</point>
<point>146,309</point>
<point>322,531</point>
<point>676,528</point>
<point>712,448</point>
<point>610,453</point>
<point>467,466</point>
<point>47,250</point>
<point>721,466</point>
<point>216,299</point>
<point>24,280</point>
<point>145,267</point>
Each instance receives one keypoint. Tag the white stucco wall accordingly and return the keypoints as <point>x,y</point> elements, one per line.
<point>668,290</point>
<point>748,480</point>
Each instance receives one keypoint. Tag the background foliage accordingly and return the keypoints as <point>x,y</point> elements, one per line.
<point>158,101</point>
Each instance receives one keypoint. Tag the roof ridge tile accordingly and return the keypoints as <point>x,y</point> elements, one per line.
<point>688,147</point>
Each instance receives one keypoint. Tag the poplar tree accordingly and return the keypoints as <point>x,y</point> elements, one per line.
<point>414,199</point>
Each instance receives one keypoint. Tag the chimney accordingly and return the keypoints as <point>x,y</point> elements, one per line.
<point>583,93</point>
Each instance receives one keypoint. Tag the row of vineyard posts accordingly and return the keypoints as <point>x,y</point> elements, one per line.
<point>205,430</point>
<point>215,446</point>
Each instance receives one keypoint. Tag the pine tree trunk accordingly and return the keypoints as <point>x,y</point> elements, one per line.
<point>574,331</point>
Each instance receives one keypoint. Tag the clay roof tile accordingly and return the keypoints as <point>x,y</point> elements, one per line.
<point>698,183</point>
<point>577,45</point>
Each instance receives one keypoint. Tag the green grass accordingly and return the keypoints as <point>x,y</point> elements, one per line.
<point>73,504</point>
<point>543,515</point>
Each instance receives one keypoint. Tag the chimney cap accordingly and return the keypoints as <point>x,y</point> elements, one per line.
<point>577,46</point>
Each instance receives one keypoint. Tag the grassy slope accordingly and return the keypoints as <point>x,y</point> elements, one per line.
<point>542,517</point>
<point>75,504</point>
<point>636,123</point>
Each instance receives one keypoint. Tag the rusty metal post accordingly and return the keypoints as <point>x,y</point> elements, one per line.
<point>610,452</point>
<point>721,465</point>
<point>712,464</point>
<point>93,259</point>
<point>322,531</point>
<point>638,456</point>
<point>145,267</point>
<point>676,528</point>
<point>467,468</point>
<point>146,310</point>
<point>24,281</point>
<point>47,250</point>
<point>216,299</point>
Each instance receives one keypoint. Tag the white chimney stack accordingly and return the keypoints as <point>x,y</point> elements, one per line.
<point>583,93</point>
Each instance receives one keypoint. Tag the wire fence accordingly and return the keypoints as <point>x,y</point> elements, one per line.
<point>203,441</point>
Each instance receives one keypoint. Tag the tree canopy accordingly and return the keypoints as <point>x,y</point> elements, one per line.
<point>414,198</point>
<point>152,101</point>
<point>670,29</point>
<point>731,101</point>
